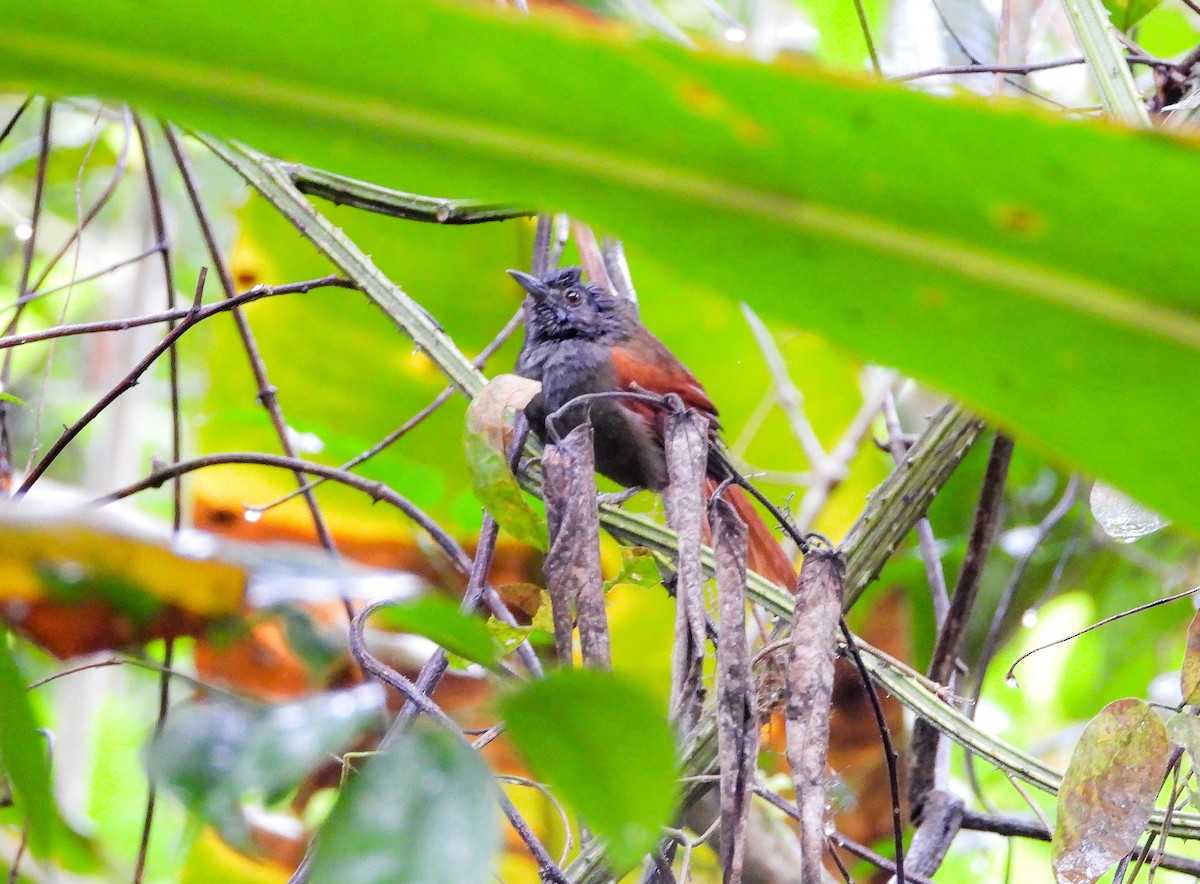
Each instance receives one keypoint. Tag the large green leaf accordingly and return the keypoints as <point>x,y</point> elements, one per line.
<point>1008,257</point>
<point>422,810</point>
<point>604,745</point>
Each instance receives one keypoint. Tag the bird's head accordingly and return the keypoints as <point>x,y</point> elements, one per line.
<point>561,306</point>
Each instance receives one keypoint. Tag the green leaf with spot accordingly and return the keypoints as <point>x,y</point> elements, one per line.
<point>1035,292</point>
<point>1108,791</point>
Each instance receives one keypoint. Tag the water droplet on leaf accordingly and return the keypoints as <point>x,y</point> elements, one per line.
<point>1121,517</point>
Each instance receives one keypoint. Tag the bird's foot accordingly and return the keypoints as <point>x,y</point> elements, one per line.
<point>619,497</point>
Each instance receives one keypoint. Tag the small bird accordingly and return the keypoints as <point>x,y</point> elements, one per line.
<point>581,339</point>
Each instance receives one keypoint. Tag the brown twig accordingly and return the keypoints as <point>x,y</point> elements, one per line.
<point>891,757</point>
<point>1010,674</point>
<point>976,63</point>
<point>39,188</point>
<point>1015,827</point>
<point>42,294</point>
<point>990,644</point>
<point>433,670</point>
<point>164,679</point>
<point>378,491</point>
<point>863,23</point>
<point>173,315</point>
<point>837,838</point>
<point>953,70</point>
<point>923,764</point>
<point>476,591</point>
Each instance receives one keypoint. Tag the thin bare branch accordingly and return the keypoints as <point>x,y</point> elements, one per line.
<point>108,398</point>
<point>377,668</point>
<point>257,293</point>
<point>1010,675</point>
<point>787,394</point>
<point>15,118</point>
<point>159,221</point>
<point>829,472</point>
<point>101,201</point>
<point>39,188</point>
<point>409,425</point>
<point>266,390</point>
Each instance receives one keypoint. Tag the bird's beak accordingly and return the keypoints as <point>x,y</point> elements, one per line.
<point>531,284</point>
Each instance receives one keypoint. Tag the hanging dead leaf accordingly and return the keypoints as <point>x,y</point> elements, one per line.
<point>687,453</point>
<point>572,567</point>
<point>737,719</point>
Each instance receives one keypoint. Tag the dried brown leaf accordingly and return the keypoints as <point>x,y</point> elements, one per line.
<point>737,720</point>
<point>810,695</point>
<point>572,567</point>
<point>1108,791</point>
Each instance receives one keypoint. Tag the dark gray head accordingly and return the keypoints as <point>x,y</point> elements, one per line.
<point>561,306</point>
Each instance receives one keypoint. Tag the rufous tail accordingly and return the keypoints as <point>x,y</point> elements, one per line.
<point>765,556</point>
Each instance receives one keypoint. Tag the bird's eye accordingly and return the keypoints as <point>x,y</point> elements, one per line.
<point>574,297</point>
